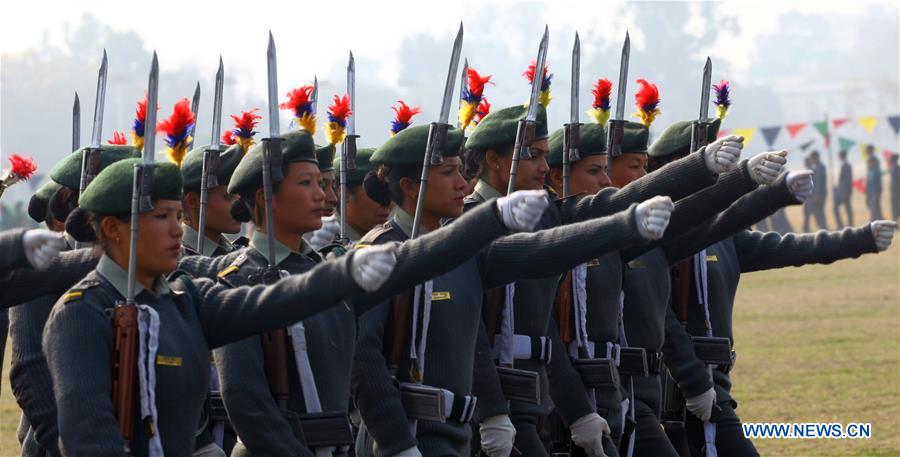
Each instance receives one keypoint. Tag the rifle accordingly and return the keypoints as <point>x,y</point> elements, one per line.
<point>419,401</point>
<point>274,343</point>
<point>76,123</point>
<point>195,108</point>
<point>125,356</point>
<point>90,157</point>
<point>210,171</point>
<point>348,147</point>
<point>615,133</point>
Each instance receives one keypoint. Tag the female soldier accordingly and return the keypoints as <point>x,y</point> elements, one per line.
<point>186,318</point>
<point>453,300</point>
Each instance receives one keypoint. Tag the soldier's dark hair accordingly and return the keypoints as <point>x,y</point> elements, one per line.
<point>383,185</point>
<point>475,164</point>
<point>62,203</point>
<point>84,226</point>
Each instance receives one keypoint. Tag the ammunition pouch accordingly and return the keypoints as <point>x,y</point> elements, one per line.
<point>520,385</point>
<point>326,429</point>
<point>429,403</point>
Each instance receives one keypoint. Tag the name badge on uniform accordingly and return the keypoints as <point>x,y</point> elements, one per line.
<point>168,361</point>
<point>437,296</point>
<point>712,258</point>
<point>635,264</point>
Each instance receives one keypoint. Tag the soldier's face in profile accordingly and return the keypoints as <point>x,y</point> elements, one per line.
<point>158,243</point>
<point>299,204</point>
<point>589,175</point>
<point>446,189</point>
<point>363,213</point>
<point>628,167</point>
<point>331,198</point>
<point>218,213</point>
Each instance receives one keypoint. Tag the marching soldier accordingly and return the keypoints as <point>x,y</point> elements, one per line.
<point>717,270</point>
<point>184,318</point>
<point>843,191</point>
<point>873,186</point>
<point>454,300</point>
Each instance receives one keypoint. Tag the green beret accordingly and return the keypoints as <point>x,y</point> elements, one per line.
<point>325,156</point>
<point>408,146</point>
<point>192,166</point>
<point>40,201</point>
<point>363,166</point>
<point>110,191</point>
<point>498,129</point>
<point>636,137</point>
<point>296,146</point>
<point>675,140</point>
<point>593,143</point>
<point>68,171</point>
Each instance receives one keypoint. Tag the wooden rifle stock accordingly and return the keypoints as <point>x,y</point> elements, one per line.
<point>125,367</point>
<point>397,330</point>
<point>275,354</point>
<point>682,279</point>
<point>491,309</point>
<point>563,304</point>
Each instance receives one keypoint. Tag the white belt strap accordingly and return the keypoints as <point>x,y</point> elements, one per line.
<point>522,348</point>
<point>418,343</point>
<point>701,280</point>
<point>148,330</point>
<point>579,294</point>
<point>629,407</point>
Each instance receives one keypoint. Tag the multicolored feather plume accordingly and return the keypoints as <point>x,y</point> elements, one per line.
<point>118,138</point>
<point>403,115</point>
<point>600,107</point>
<point>243,128</point>
<point>483,109</point>
<point>338,113</point>
<point>647,101</point>
<point>178,129</point>
<point>20,169</point>
<point>723,100</point>
<point>228,138</point>
<point>137,128</point>
<point>544,98</point>
<point>472,95</point>
<point>301,104</point>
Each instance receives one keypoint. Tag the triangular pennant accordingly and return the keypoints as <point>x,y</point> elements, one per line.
<point>868,123</point>
<point>887,157</point>
<point>805,146</point>
<point>722,132</point>
<point>822,127</point>
<point>793,129</point>
<point>860,185</point>
<point>846,143</point>
<point>837,123</point>
<point>746,133</point>
<point>769,134</point>
<point>895,123</point>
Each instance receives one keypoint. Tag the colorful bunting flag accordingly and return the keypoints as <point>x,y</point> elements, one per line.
<point>868,123</point>
<point>860,185</point>
<point>723,132</point>
<point>770,134</point>
<point>746,133</point>
<point>805,146</point>
<point>894,121</point>
<point>793,129</point>
<point>846,144</point>
<point>837,123</point>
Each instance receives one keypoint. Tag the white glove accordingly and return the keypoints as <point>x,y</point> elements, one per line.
<point>800,183</point>
<point>883,231</point>
<point>497,436</point>
<point>652,216</point>
<point>701,405</point>
<point>766,166</point>
<point>723,154</point>
<point>41,246</point>
<point>411,452</point>
<point>372,266</point>
<point>587,433</point>
<point>520,211</point>
<point>331,228</point>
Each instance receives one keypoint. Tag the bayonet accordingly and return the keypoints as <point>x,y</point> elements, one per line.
<point>572,132</point>
<point>700,127</point>
<point>526,128</point>
<point>90,159</point>
<point>271,158</point>
<point>437,132</point>
<point>210,171</point>
<point>616,129</point>
<point>76,123</point>
<point>315,96</point>
<point>195,108</point>
<point>348,148</point>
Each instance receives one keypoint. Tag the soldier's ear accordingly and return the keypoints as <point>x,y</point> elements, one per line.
<point>410,189</point>
<point>555,178</point>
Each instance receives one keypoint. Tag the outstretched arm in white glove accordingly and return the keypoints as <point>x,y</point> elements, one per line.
<point>723,154</point>
<point>800,183</point>
<point>652,216</point>
<point>41,246</point>
<point>520,211</point>
<point>883,231</point>
<point>372,266</point>
<point>765,167</point>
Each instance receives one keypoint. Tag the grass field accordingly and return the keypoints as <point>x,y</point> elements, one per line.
<point>816,344</point>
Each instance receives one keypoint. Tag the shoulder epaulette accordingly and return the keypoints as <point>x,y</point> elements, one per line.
<point>235,266</point>
<point>75,293</point>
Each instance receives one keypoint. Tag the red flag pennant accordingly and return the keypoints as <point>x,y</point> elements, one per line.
<point>860,185</point>
<point>722,132</point>
<point>886,154</point>
<point>839,122</point>
<point>793,129</point>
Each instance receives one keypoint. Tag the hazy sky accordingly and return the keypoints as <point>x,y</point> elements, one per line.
<point>788,61</point>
